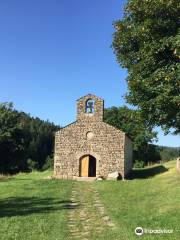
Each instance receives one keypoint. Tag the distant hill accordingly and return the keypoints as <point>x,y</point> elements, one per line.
<point>167,153</point>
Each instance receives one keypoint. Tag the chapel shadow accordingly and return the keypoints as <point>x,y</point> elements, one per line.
<point>22,206</point>
<point>146,172</point>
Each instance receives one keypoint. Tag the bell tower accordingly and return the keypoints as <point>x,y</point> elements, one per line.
<point>90,108</point>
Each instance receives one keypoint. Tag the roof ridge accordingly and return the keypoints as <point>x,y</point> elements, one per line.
<point>90,95</point>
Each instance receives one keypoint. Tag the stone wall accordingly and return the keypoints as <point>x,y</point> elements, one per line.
<point>89,135</point>
<point>127,155</point>
<point>98,109</point>
<point>106,145</point>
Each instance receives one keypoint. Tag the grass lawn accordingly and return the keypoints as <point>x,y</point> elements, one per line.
<point>33,207</point>
<point>152,203</point>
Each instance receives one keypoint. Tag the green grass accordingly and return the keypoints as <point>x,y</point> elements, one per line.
<point>151,200</point>
<point>32,207</point>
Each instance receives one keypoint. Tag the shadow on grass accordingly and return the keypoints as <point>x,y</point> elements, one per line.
<point>21,206</point>
<point>7,179</point>
<point>147,172</point>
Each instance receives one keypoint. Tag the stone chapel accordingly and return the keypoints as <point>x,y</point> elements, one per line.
<point>89,147</point>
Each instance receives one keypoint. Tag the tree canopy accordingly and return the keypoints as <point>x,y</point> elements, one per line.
<point>147,42</point>
<point>131,122</point>
<point>25,142</point>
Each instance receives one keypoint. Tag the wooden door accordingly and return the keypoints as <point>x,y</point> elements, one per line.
<point>85,166</point>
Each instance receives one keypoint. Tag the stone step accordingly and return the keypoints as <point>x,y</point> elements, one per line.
<point>88,179</point>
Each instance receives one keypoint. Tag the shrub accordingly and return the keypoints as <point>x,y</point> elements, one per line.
<point>138,164</point>
<point>31,165</point>
<point>48,163</point>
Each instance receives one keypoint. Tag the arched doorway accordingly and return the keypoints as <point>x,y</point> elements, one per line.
<point>87,166</point>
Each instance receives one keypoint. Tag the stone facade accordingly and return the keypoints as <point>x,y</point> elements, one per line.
<point>90,136</point>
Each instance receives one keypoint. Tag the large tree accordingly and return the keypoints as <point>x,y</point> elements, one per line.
<point>11,140</point>
<point>147,42</point>
<point>131,122</point>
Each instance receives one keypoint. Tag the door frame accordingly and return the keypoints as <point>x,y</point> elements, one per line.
<point>86,158</point>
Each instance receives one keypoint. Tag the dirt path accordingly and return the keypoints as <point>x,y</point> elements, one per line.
<point>87,215</point>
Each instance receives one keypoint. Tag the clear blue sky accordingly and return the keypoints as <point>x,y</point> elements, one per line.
<point>53,52</point>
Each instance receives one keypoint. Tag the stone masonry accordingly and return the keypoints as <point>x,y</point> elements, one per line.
<point>89,135</point>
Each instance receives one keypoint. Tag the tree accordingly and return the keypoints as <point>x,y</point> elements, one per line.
<point>168,153</point>
<point>25,142</point>
<point>137,129</point>
<point>147,43</point>
<point>11,139</point>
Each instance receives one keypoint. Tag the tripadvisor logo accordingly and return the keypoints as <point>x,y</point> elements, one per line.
<point>139,231</point>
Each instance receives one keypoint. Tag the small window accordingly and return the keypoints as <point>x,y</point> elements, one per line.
<point>89,135</point>
<point>90,106</point>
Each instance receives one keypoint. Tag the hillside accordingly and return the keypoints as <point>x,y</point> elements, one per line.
<point>150,200</point>
<point>34,207</point>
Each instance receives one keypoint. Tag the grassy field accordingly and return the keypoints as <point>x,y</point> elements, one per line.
<point>33,207</point>
<point>151,200</point>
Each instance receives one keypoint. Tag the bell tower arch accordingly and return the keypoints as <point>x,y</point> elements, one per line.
<point>90,108</point>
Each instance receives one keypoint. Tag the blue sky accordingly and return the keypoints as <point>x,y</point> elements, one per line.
<point>53,52</point>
